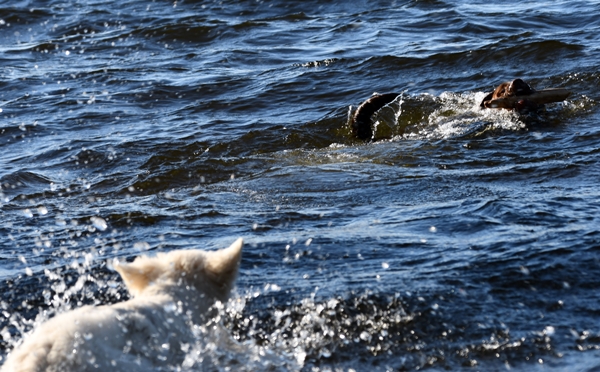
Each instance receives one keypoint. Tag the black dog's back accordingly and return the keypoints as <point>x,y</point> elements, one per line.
<point>361,121</point>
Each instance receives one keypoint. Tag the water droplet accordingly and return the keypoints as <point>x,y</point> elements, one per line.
<point>170,307</point>
<point>42,210</point>
<point>141,246</point>
<point>385,265</point>
<point>433,229</point>
<point>549,330</point>
<point>275,288</point>
<point>325,353</point>
<point>99,223</point>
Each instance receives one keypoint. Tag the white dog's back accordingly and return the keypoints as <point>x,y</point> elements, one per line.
<point>144,333</point>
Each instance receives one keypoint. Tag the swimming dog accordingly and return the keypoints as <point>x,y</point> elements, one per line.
<point>145,333</point>
<point>512,95</point>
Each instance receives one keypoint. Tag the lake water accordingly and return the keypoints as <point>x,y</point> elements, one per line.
<point>461,239</point>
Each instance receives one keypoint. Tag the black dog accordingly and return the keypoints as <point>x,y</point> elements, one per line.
<point>506,96</point>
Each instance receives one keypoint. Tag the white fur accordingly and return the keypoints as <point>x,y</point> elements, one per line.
<point>144,333</point>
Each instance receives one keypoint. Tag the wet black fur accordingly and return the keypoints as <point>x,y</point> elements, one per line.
<point>361,121</point>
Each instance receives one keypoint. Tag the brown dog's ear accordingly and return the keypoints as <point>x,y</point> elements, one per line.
<point>140,273</point>
<point>485,99</point>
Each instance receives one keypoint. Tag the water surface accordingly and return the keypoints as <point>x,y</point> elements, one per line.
<point>460,239</point>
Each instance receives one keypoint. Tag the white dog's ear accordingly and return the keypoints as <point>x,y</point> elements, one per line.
<point>222,265</point>
<point>138,274</point>
<point>225,262</point>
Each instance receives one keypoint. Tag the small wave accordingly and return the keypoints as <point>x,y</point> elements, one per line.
<point>23,182</point>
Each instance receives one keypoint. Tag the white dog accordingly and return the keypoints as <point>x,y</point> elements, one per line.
<point>146,333</point>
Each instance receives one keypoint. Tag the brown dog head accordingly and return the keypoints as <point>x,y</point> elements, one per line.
<point>516,87</point>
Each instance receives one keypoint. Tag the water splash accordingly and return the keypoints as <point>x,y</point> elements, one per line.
<point>448,115</point>
<point>85,281</point>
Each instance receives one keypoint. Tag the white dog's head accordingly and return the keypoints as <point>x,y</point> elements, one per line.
<point>211,273</point>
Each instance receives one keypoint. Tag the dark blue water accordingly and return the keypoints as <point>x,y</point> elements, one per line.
<point>461,239</point>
